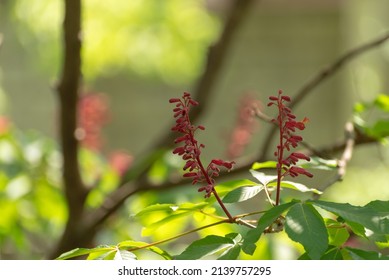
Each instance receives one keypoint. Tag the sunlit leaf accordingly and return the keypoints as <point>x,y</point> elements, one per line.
<point>382,102</point>
<point>320,163</point>
<point>374,216</point>
<point>380,129</point>
<point>262,177</point>
<point>206,246</point>
<point>242,194</point>
<point>130,244</point>
<point>266,164</point>
<point>159,218</point>
<point>295,186</point>
<point>170,208</point>
<point>228,186</point>
<point>124,255</point>
<point>84,251</point>
<point>337,232</point>
<point>305,225</point>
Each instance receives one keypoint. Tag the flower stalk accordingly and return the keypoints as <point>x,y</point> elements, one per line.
<point>190,151</point>
<point>288,139</point>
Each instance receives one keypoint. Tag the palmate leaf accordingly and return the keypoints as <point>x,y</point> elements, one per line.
<point>305,225</point>
<point>374,216</point>
<point>212,244</point>
<point>266,220</point>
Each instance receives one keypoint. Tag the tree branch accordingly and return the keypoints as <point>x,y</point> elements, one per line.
<point>320,77</point>
<point>75,191</point>
<point>217,53</point>
<point>345,158</point>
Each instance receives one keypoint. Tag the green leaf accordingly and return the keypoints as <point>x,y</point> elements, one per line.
<point>266,220</point>
<point>262,177</point>
<point>124,255</point>
<point>359,108</point>
<point>295,186</point>
<point>266,164</point>
<point>130,244</point>
<point>333,253</point>
<point>155,216</point>
<point>109,255</point>
<point>337,232</point>
<point>380,129</point>
<point>320,163</point>
<point>233,252</point>
<point>229,186</point>
<point>154,208</point>
<point>358,229</point>
<point>358,254</point>
<point>84,251</point>
<point>370,216</point>
<point>382,102</point>
<point>206,246</point>
<point>305,225</point>
<point>242,194</point>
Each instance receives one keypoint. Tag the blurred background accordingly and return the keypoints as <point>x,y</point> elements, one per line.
<point>137,54</point>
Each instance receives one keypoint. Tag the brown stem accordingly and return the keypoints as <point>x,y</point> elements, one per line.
<point>280,155</point>
<point>75,190</point>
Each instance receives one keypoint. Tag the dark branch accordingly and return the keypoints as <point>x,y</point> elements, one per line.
<point>68,87</point>
<point>217,53</point>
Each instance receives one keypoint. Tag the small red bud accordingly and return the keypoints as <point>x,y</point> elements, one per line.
<point>174,100</point>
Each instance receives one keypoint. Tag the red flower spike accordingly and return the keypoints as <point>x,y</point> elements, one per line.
<point>287,126</point>
<point>190,150</point>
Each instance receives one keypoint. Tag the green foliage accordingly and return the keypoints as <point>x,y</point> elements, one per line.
<point>121,251</point>
<point>378,125</point>
<point>30,196</point>
<point>304,224</point>
<point>229,246</point>
<point>267,220</point>
<point>147,37</point>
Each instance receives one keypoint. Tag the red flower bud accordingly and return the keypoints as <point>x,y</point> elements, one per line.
<point>174,100</point>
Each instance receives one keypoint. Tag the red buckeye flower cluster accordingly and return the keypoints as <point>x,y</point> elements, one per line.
<point>190,148</point>
<point>287,125</point>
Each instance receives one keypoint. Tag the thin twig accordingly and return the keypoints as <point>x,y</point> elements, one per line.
<point>345,158</point>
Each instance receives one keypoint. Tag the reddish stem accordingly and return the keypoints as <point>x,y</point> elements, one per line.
<point>280,152</point>
<point>209,181</point>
